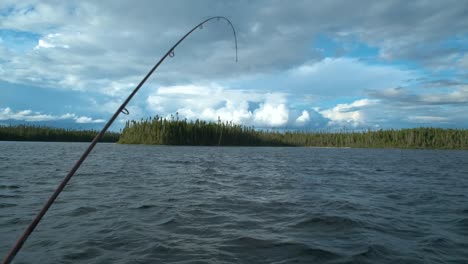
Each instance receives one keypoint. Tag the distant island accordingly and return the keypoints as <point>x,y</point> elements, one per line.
<point>161,131</point>
<point>40,133</point>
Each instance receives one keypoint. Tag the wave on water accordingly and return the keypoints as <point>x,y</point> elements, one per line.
<point>153,204</point>
<point>327,222</point>
<point>3,186</point>
<point>81,211</point>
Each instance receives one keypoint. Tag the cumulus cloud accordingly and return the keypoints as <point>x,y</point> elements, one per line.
<point>348,114</point>
<point>271,115</point>
<point>50,42</point>
<point>400,108</point>
<point>30,116</point>
<point>212,101</point>
<point>106,47</point>
<point>26,115</point>
<point>303,118</point>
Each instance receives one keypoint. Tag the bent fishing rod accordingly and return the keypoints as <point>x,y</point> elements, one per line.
<point>122,109</point>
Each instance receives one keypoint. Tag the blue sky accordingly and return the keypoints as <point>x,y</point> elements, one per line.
<point>302,65</point>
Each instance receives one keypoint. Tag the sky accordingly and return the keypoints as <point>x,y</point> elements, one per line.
<point>302,65</point>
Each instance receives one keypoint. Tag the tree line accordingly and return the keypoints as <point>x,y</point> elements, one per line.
<point>40,133</point>
<point>161,131</point>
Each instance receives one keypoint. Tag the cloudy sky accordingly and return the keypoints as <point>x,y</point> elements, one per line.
<point>302,64</point>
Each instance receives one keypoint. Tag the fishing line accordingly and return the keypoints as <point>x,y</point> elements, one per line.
<point>122,109</point>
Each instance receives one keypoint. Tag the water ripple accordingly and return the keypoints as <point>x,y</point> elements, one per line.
<point>159,204</point>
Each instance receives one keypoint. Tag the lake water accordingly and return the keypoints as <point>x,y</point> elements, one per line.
<point>161,204</point>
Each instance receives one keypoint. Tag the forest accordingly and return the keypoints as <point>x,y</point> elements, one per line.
<point>161,131</point>
<point>40,133</point>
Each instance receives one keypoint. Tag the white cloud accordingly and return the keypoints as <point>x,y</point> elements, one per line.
<point>210,102</point>
<point>185,90</point>
<point>50,41</point>
<point>457,95</point>
<point>236,112</point>
<point>303,118</point>
<point>67,116</point>
<point>271,115</point>
<point>32,15</point>
<point>106,47</point>
<point>348,114</point>
<point>43,44</point>
<point>26,115</point>
<point>428,119</point>
<point>87,45</point>
<point>30,116</point>
<point>344,77</point>
<point>85,120</point>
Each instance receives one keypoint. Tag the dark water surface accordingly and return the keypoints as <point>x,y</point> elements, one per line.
<point>153,204</point>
